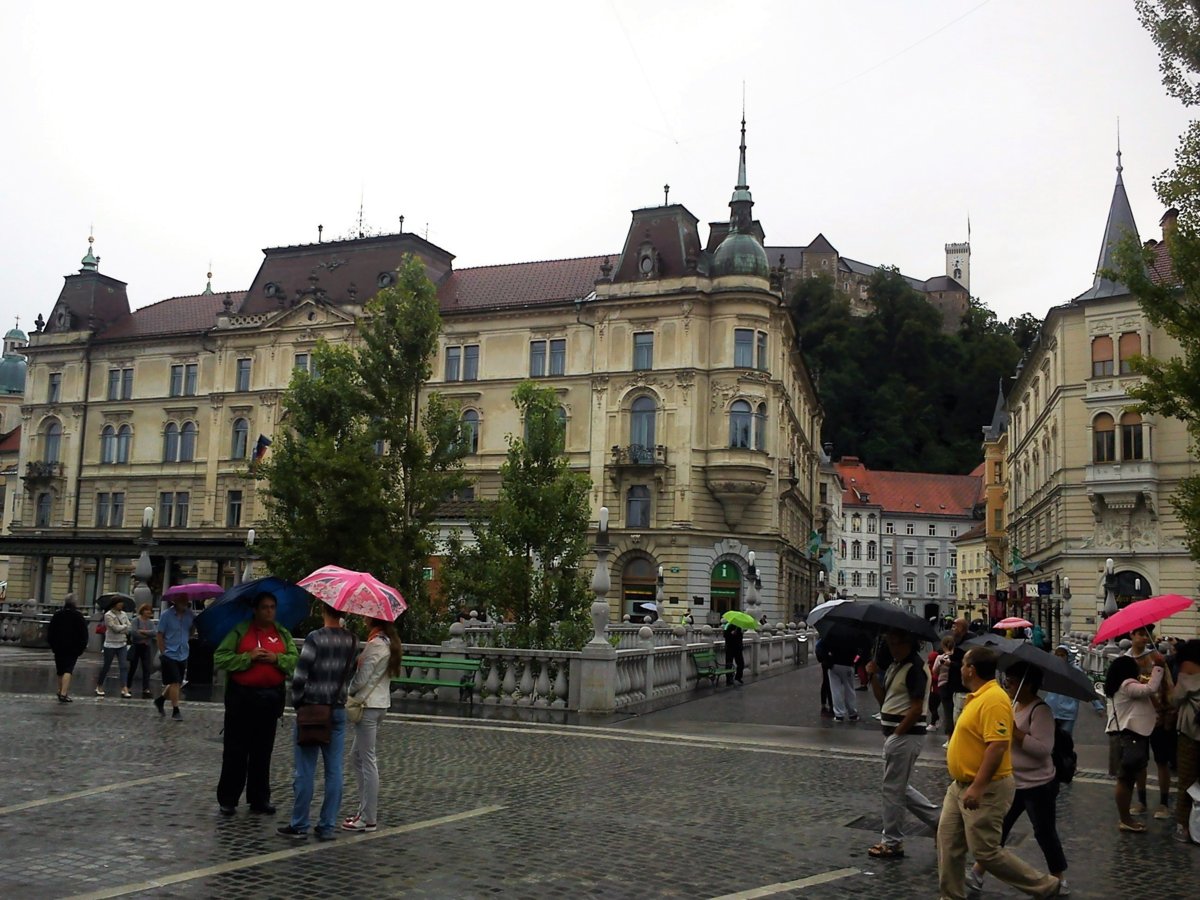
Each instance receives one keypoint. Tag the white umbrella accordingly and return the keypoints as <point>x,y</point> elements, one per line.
<point>818,612</point>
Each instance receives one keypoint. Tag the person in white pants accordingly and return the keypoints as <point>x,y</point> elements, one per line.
<point>841,686</point>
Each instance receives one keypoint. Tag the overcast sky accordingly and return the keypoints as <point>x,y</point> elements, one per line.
<point>521,131</point>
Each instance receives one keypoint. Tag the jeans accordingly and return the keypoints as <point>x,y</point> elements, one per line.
<point>1040,803</point>
<point>1067,725</point>
<point>306,774</point>
<point>122,663</point>
<point>251,717</point>
<point>900,752</point>
<point>365,765</point>
<point>139,654</point>
<point>841,686</point>
<point>947,701</point>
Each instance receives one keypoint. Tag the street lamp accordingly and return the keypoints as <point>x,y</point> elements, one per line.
<point>753,582</point>
<point>660,598</point>
<point>1110,588</point>
<point>143,569</point>
<point>601,583</point>
<point>248,572</point>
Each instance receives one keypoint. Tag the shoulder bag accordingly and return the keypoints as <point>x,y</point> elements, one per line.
<point>314,721</point>
<point>355,705</point>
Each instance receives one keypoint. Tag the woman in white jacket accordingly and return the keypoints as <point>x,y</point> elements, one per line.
<point>116,639</point>
<point>1131,720</point>
<point>378,663</point>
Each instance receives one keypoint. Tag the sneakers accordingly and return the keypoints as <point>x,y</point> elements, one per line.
<point>146,695</point>
<point>99,691</point>
<point>1162,812</point>
<point>228,810</point>
<point>289,832</point>
<point>1064,889</point>
<point>1181,835</point>
<point>854,718</point>
<point>946,746</point>
<point>1137,809</point>
<point>323,835</point>
<point>176,716</point>
<point>839,718</point>
<point>354,823</point>
<point>125,693</point>
<point>160,704</point>
<point>974,880</point>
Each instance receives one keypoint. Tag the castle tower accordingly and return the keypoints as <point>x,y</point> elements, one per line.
<point>958,263</point>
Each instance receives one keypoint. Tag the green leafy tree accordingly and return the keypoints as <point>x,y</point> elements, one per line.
<point>1171,387</point>
<point>533,539</point>
<point>359,469</point>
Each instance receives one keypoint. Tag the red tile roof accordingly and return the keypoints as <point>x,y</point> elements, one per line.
<point>520,284</point>
<point>1161,271</point>
<point>11,442</point>
<point>914,493</point>
<point>177,315</point>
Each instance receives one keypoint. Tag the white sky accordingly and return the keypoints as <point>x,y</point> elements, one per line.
<point>523,131</point>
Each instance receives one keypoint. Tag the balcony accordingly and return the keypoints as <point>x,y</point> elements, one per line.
<point>39,472</point>
<point>735,477</point>
<point>1120,485</point>
<point>639,455</point>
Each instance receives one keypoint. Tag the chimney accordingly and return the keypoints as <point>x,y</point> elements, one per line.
<point>828,448</point>
<point>1168,222</point>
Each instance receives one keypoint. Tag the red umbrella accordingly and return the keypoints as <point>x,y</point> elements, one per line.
<point>1013,622</point>
<point>353,592</point>
<point>1141,613</point>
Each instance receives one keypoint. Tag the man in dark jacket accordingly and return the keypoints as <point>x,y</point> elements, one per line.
<point>67,635</point>
<point>954,683</point>
<point>733,653</point>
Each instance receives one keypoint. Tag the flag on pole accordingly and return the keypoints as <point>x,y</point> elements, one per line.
<point>1017,562</point>
<point>260,448</point>
<point>827,560</point>
<point>814,544</point>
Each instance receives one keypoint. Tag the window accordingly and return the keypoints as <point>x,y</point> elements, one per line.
<point>953,531</point>
<point>471,362</point>
<point>856,579</point>
<point>243,375</point>
<point>856,523</point>
<point>558,356</point>
<point>931,586</point>
<point>910,584</point>
<point>1132,446</point>
<point>761,351</point>
<point>637,507</point>
<point>470,430</point>
<point>42,511</point>
<point>560,416</point>
<point>872,551</point>
<point>1102,356</point>
<point>241,439</point>
<point>997,472</point>
<point>108,444</point>
<point>909,528</point>
<point>173,509</point>
<point>124,439</point>
<point>910,557</point>
<point>453,363</point>
<point>739,425</point>
<point>841,578</point>
<point>537,359</point>
<point>932,530</point>
<point>102,510</point>
<point>743,348</point>
<point>54,388</point>
<point>233,509</point>
<point>641,429</point>
<point>187,442</point>
<point>110,509</point>
<point>120,384</point>
<point>887,556</point>
<point>1129,346</point>
<point>1104,439</point>
<point>171,442</point>
<point>462,363</point>
<point>871,524</point>
<point>953,558</point>
<point>931,557</point>
<point>301,362</point>
<point>856,549</point>
<point>889,527</point>
<point>643,350</point>
<point>183,380</point>
<point>843,548</point>
<point>53,442</point>
<point>872,579</point>
<point>760,428</point>
<point>888,586</point>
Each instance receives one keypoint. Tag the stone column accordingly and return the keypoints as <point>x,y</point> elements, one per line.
<point>598,663</point>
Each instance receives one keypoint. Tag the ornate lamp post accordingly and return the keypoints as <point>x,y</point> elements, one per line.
<point>753,583</point>
<point>143,569</point>
<point>1110,588</point>
<point>601,584</point>
<point>660,598</point>
<point>1066,599</point>
<point>248,572</point>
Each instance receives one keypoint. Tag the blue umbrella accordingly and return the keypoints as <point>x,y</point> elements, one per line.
<point>236,605</point>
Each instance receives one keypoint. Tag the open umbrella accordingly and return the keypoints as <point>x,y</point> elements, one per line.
<point>1141,613</point>
<point>196,591</point>
<point>875,615</point>
<point>819,611</point>
<point>105,601</point>
<point>1058,675</point>
<point>1013,622</point>
<point>357,593</point>
<point>740,619</point>
<point>292,604</point>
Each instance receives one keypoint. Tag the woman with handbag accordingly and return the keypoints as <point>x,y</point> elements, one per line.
<point>143,632</point>
<point>116,640</point>
<point>1131,720</point>
<point>370,698</point>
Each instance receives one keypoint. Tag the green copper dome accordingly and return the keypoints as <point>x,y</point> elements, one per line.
<point>12,374</point>
<point>740,254</point>
<point>16,334</point>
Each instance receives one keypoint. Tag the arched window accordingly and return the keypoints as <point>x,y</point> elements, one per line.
<point>42,511</point>
<point>740,418</point>
<point>637,507</point>
<point>760,427</point>
<point>1129,346</point>
<point>561,416</point>
<point>1104,439</point>
<point>241,439</point>
<point>108,444</point>
<point>1102,356</point>
<point>187,442</point>
<point>641,429</point>
<point>53,445</point>
<point>470,430</point>
<point>171,443</point>
<point>1132,441</point>
<point>124,442</point>
<point>639,585</point>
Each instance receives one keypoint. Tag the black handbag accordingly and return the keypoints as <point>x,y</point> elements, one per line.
<point>1135,752</point>
<point>314,724</point>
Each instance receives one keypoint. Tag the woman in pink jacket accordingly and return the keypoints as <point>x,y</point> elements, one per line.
<point>1131,719</point>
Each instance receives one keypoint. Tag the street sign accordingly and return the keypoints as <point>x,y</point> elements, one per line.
<point>674,570</point>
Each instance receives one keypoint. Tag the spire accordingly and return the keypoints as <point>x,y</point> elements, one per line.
<point>741,203</point>
<point>741,182</point>
<point>1120,224</point>
<point>90,263</point>
<point>208,287</point>
<point>999,421</point>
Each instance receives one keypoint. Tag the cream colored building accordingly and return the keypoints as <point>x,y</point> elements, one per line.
<point>973,573</point>
<point>1090,479</point>
<point>684,397</point>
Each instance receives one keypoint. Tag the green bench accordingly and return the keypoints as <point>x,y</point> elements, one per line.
<point>708,667</point>
<point>465,682</point>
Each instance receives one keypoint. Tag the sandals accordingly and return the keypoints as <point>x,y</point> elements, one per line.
<point>1136,827</point>
<point>886,851</point>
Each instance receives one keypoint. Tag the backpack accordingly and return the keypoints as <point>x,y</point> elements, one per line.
<point>1063,754</point>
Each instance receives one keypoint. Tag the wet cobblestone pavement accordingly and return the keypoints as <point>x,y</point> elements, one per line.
<point>733,792</point>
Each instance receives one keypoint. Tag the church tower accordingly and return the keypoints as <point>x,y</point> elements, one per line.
<point>958,262</point>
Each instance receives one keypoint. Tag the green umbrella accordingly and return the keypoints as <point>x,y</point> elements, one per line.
<point>740,619</point>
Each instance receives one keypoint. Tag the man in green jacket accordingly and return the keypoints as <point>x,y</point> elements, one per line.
<point>259,656</point>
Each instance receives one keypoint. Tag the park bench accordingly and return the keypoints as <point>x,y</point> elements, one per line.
<point>434,666</point>
<point>708,667</point>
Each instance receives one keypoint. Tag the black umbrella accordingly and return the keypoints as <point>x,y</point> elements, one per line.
<point>1058,675</point>
<point>875,615</point>
<point>105,601</point>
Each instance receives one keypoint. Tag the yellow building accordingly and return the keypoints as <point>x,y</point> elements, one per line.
<point>973,573</point>
<point>1090,479</point>
<point>684,395</point>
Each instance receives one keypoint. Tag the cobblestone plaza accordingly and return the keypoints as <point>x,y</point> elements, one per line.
<point>744,792</point>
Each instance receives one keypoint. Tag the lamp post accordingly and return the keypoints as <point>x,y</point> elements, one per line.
<point>821,586</point>
<point>1065,598</point>
<point>1110,588</point>
<point>660,598</point>
<point>248,572</point>
<point>601,584</point>
<point>143,569</point>
<point>753,583</point>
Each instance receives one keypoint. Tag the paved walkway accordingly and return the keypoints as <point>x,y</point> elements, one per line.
<point>745,792</point>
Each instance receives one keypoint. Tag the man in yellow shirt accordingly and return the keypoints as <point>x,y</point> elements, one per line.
<point>982,790</point>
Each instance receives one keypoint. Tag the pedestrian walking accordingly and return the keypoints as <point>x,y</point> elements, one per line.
<point>1033,773</point>
<point>141,650</point>
<point>371,688</point>
<point>116,644</point>
<point>1186,698</point>
<point>1162,738</point>
<point>733,653</point>
<point>981,793</point>
<point>823,658</point>
<point>959,632</point>
<point>842,646</point>
<point>903,694</point>
<point>67,635</point>
<point>174,630</point>
<point>1064,706</point>
<point>941,676</point>
<point>319,696</point>
<point>259,655</point>
<point>1131,720</point>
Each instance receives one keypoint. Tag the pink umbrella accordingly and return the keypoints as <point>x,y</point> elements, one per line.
<point>357,593</point>
<point>1013,622</point>
<point>1141,613</point>
<point>195,592</point>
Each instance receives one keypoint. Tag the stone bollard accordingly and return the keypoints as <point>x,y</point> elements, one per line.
<point>756,647</point>
<point>455,648</point>
<point>646,642</point>
<point>679,639</point>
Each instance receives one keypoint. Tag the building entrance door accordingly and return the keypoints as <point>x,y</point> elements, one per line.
<point>726,587</point>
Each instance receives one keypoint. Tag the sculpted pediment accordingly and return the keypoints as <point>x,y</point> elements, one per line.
<point>308,314</point>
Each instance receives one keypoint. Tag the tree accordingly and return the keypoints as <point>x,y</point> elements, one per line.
<point>356,477</point>
<point>1171,387</point>
<point>533,539</point>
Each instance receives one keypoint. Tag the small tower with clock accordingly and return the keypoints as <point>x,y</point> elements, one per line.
<point>958,263</point>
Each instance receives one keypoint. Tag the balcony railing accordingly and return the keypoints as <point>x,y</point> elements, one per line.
<point>39,471</point>
<point>639,455</point>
